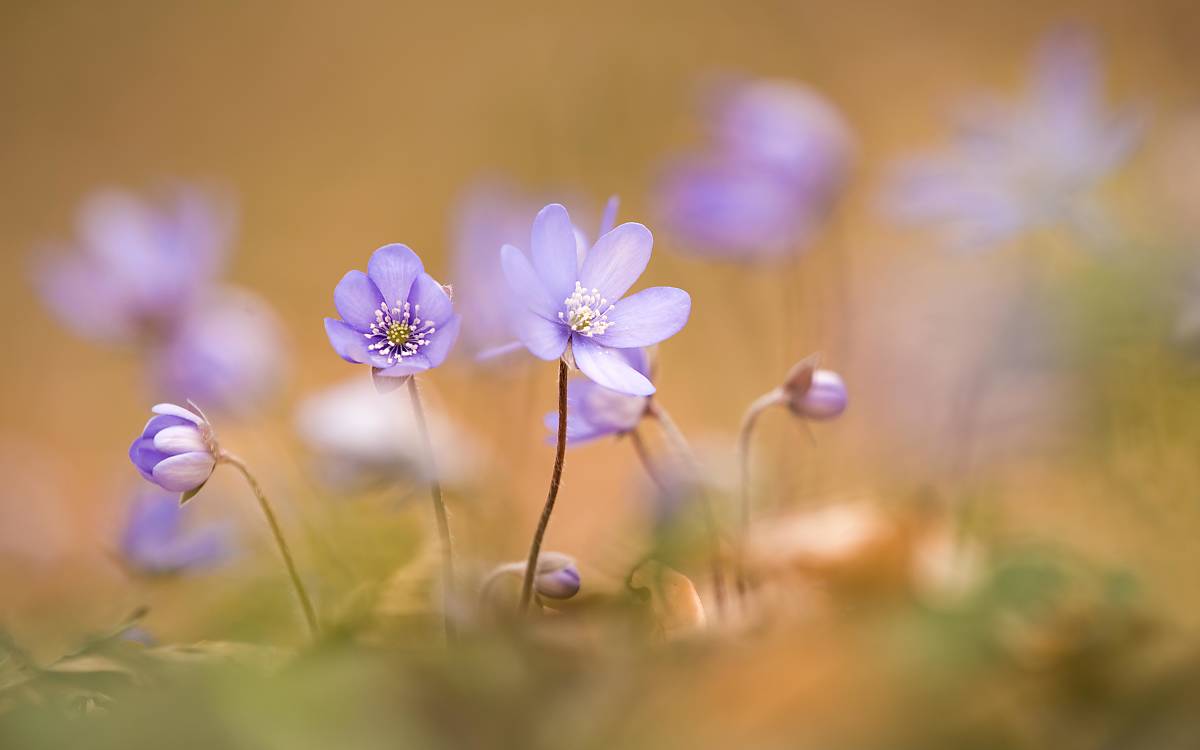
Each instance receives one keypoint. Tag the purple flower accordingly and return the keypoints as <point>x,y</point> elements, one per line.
<point>138,266</point>
<point>395,317</point>
<point>778,157</point>
<point>594,411</point>
<point>557,576</point>
<point>229,352</point>
<point>813,393</point>
<point>176,450</point>
<point>156,541</point>
<point>568,300</point>
<point>1016,167</point>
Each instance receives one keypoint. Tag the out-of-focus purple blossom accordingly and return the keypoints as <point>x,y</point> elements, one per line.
<point>568,300</point>
<point>594,411</point>
<point>813,393</point>
<point>229,352</point>
<point>557,577</point>
<point>137,266</point>
<point>1016,167</point>
<point>177,449</point>
<point>491,214</point>
<point>779,157</point>
<point>395,317</point>
<point>156,539</point>
<point>360,440</point>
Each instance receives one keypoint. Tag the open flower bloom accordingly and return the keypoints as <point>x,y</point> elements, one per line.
<point>395,317</point>
<point>176,450</point>
<point>225,354</point>
<point>359,440</point>
<point>594,411</point>
<point>1016,167</point>
<point>156,540</point>
<point>138,266</point>
<point>778,158</point>
<point>568,300</point>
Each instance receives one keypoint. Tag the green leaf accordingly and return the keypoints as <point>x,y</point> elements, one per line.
<point>184,497</point>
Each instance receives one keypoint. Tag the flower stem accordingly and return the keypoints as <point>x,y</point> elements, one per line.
<point>749,420</point>
<point>305,603</point>
<point>639,447</point>
<point>684,449</point>
<point>560,451</point>
<point>439,509</point>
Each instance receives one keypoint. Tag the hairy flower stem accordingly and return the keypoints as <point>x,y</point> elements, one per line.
<point>305,603</point>
<point>439,510</point>
<point>745,433</point>
<point>560,452</point>
<point>677,439</point>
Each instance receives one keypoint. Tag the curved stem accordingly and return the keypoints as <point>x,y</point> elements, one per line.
<point>745,432</point>
<point>560,450</point>
<point>305,603</point>
<point>439,509</point>
<point>684,449</point>
<point>639,447</point>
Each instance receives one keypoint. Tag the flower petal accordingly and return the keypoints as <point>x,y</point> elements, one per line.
<point>647,317</point>
<point>524,283</point>
<point>552,247</point>
<point>357,299</point>
<point>385,384</point>
<point>608,368</point>
<point>408,366</point>
<point>177,411</point>
<point>442,340</point>
<point>394,268</point>
<point>617,260</point>
<point>609,219</point>
<point>145,456</point>
<point>543,339</point>
<point>435,303</point>
<point>350,344</point>
<point>175,440</point>
<point>184,472</point>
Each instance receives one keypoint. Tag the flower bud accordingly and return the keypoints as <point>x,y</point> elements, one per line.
<point>813,393</point>
<point>176,450</point>
<point>557,577</point>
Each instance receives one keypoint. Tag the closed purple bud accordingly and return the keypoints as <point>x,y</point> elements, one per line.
<point>176,450</point>
<point>557,577</point>
<point>813,393</point>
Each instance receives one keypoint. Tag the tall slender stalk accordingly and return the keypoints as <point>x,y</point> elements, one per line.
<point>310,614</point>
<point>639,447</point>
<point>684,449</point>
<point>439,510</point>
<point>560,451</point>
<point>749,420</point>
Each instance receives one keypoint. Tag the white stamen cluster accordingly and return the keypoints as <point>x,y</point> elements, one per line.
<point>399,331</point>
<point>587,311</point>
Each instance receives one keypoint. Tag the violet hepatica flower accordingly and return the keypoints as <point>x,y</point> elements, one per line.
<point>225,353</point>
<point>137,266</point>
<point>177,449</point>
<point>565,301</point>
<point>813,393</point>
<point>395,317</point>
<point>1016,167</point>
<point>157,540</point>
<point>594,411</point>
<point>778,157</point>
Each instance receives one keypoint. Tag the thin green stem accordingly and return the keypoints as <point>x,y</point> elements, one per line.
<point>439,510</point>
<point>745,433</point>
<point>560,451</point>
<point>310,614</point>
<point>684,449</point>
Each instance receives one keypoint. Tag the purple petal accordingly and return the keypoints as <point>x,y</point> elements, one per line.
<point>647,317</point>
<point>435,303</point>
<point>173,410</point>
<point>609,219</point>
<point>385,384</point>
<point>553,250</point>
<point>526,287</point>
<point>394,268</point>
<point>405,368</point>
<point>184,472</point>
<point>617,260</point>
<point>180,439</point>
<point>579,430</point>
<point>442,341</point>
<point>347,342</point>
<point>357,300</point>
<point>145,456</point>
<point>160,422</point>
<point>543,339</point>
<point>608,368</point>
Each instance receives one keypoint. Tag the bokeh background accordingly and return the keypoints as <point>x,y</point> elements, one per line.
<point>335,129</point>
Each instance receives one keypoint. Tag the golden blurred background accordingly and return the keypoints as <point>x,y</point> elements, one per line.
<point>341,127</point>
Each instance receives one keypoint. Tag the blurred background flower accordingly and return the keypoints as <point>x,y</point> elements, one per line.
<point>157,540</point>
